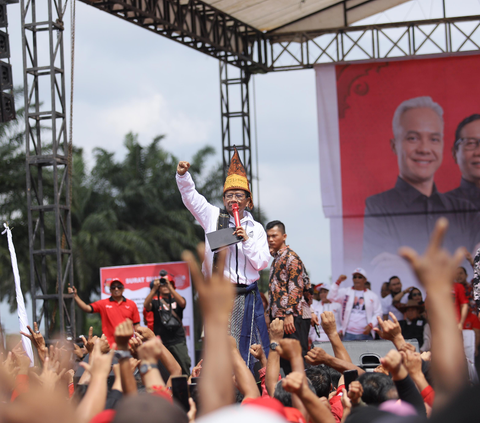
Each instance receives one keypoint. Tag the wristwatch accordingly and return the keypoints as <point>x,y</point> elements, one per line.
<point>145,367</point>
<point>289,312</point>
<point>122,354</point>
<point>273,345</point>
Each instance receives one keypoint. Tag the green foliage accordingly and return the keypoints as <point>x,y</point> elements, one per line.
<point>123,212</point>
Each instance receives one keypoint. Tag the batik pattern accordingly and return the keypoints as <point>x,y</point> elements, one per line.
<point>288,280</point>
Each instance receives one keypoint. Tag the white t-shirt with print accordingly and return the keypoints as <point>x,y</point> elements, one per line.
<point>358,316</point>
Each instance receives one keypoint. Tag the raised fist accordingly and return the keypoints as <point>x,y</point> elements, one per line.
<point>182,167</point>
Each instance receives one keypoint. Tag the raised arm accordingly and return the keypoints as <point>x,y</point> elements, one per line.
<point>273,361</point>
<point>148,300</point>
<point>197,204</point>
<point>83,306</point>
<point>435,270</point>
<point>330,327</point>
<point>216,297</point>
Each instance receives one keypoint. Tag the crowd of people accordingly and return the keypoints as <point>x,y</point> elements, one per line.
<point>264,357</point>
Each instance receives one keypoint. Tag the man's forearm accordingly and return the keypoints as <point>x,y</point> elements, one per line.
<point>316,408</point>
<point>182,303</point>
<point>448,358</point>
<point>83,306</point>
<point>217,389</point>
<point>341,365</point>
<point>243,376</point>
<point>339,349</point>
<point>272,371</point>
<point>129,384</point>
<point>148,301</point>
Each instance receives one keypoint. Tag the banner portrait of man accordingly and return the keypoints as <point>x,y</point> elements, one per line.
<point>386,130</point>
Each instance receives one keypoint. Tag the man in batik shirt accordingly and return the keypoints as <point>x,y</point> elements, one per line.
<point>288,283</point>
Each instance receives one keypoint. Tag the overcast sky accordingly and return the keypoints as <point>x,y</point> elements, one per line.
<point>130,79</point>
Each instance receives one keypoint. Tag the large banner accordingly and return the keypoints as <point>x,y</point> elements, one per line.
<point>137,280</point>
<point>399,147</point>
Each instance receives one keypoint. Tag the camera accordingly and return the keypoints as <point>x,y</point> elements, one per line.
<point>163,279</point>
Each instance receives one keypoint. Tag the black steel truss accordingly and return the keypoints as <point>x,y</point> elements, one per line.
<point>376,42</point>
<point>235,109</point>
<point>47,164</point>
<point>195,24</point>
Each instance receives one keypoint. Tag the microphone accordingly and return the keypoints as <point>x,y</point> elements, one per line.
<point>236,216</point>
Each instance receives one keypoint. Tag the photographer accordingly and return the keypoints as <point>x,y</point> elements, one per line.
<point>167,306</point>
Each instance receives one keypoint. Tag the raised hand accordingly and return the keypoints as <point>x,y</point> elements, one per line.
<point>316,356</point>
<point>216,293</point>
<point>89,343</point>
<point>182,167</point>
<point>276,330</point>
<point>100,364</point>
<point>412,362</point>
<point>392,362</point>
<point>144,334</point>
<point>197,370</point>
<point>51,374</point>
<point>388,329</point>
<point>123,333</point>
<point>355,392</point>
<point>257,351</point>
<point>436,266</point>
<point>37,340</point>
<point>293,382</point>
<point>151,351</point>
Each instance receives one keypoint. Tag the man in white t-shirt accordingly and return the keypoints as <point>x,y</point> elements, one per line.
<point>396,297</point>
<point>360,307</point>
<point>318,307</point>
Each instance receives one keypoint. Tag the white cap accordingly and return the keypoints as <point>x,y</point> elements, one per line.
<point>321,285</point>
<point>360,271</point>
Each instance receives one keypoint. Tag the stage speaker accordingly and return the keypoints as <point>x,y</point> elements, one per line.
<point>8,106</point>
<point>365,354</point>
<point>3,15</point>
<point>4,46</point>
<point>6,81</point>
<point>7,100</point>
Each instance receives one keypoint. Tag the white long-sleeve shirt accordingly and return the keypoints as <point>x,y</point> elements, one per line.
<point>346,296</point>
<point>253,254</point>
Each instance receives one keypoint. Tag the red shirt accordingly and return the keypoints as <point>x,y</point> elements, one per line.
<point>459,298</point>
<point>113,313</point>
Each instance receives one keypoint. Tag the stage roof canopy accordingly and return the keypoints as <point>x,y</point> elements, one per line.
<point>286,16</point>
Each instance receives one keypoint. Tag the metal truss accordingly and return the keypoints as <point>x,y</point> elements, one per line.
<point>235,109</point>
<point>195,24</point>
<point>376,42</point>
<point>48,178</point>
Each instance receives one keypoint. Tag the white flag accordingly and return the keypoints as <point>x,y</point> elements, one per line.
<point>22,313</point>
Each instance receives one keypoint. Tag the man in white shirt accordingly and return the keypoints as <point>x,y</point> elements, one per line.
<point>360,307</point>
<point>395,298</point>
<point>318,307</point>
<point>244,259</point>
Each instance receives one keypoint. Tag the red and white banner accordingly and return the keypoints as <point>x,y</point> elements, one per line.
<point>137,278</point>
<point>385,181</point>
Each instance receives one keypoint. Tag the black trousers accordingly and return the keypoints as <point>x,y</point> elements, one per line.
<point>302,327</point>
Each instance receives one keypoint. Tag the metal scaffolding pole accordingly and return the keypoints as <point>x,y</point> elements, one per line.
<point>47,165</point>
<point>235,110</point>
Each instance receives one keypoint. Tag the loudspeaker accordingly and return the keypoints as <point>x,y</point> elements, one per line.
<point>365,354</point>
<point>3,15</point>
<point>6,82</point>
<point>8,106</point>
<point>4,46</point>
